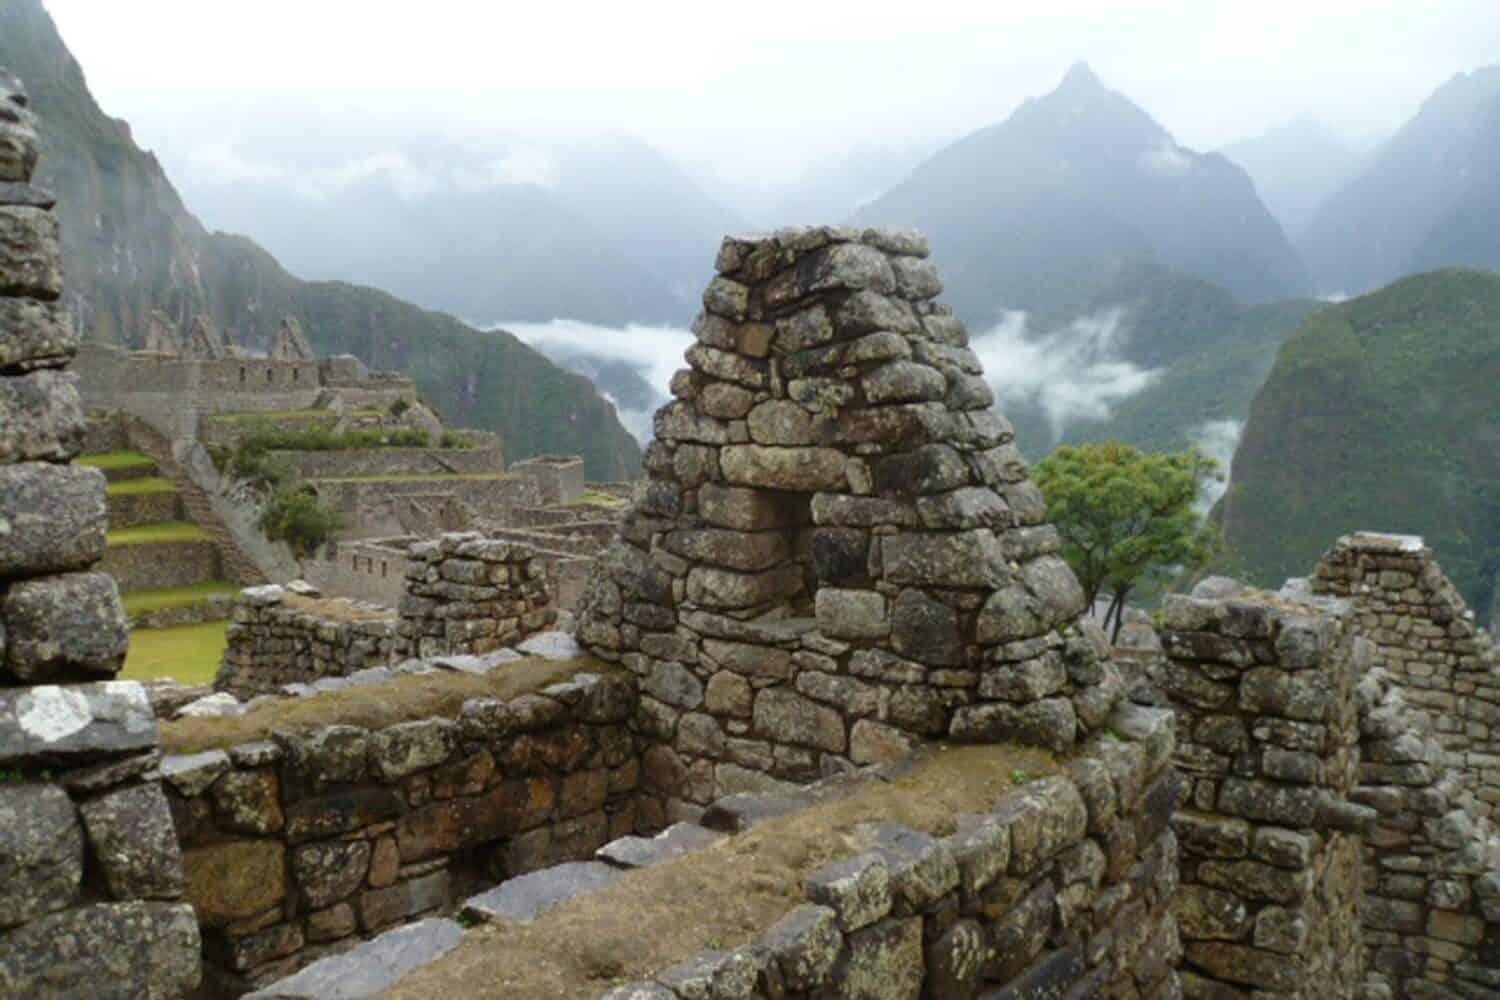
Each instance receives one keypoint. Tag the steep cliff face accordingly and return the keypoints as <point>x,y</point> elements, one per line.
<point>1380,414</point>
<point>1426,199</point>
<point>130,246</point>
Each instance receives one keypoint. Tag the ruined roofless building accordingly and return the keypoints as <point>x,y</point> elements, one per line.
<point>838,552</point>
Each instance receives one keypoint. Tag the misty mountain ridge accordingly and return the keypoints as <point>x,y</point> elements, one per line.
<point>130,246</point>
<point>1077,188</point>
<point>1296,166</point>
<point>603,229</point>
<point>1427,198</point>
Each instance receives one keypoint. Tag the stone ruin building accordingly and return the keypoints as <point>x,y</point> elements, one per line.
<point>838,546</point>
<point>837,572</point>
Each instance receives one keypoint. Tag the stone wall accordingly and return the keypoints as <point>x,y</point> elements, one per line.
<point>163,564</point>
<point>1267,722</point>
<point>277,638</point>
<point>838,552</point>
<point>1427,641</point>
<point>368,506</point>
<point>559,478</point>
<point>467,594</point>
<point>91,878</point>
<point>1431,908</point>
<point>485,457</point>
<point>371,570</point>
<point>1064,889</point>
<point>297,848</point>
<point>175,393</point>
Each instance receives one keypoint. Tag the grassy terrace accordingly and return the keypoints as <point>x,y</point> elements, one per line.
<point>189,654</point>
<point>144,602</point>
<point>167,531</point>
<point>116,460</point>
<point>141,487</point>
<point>593,498</point>
<point>434,477</point>
<point>329,415</point>
<point>371,706</point>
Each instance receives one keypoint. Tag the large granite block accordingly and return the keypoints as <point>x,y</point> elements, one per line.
<point>61,628</point>
<point>75,723</point>
<point>53,518</point>
<point>41,417</point>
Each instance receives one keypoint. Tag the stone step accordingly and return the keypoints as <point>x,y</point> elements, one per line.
<point>526,897</point>
<point>159,556</point>
<point>673,842</point>
<point>121,466</point>
<point>370,968</point>
<point>135,503</point>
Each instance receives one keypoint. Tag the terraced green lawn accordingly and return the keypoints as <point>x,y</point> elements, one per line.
<point>116,460</point>
<point>189,654</point>
<point>239,418</point>
<point>436,477</point>
<point>143,602</point>
<point>141,487</point>
<point>166,531</point>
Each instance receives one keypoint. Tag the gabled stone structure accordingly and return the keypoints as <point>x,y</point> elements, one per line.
<point>290,343</point>
<point>838,551</point>
<point>161,335</point>
<point>203,341</point>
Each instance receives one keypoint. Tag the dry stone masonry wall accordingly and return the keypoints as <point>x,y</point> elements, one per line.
<point>1431,906</point>
<point>91,878</point>
<point>1267,722</point>
<point>277,639</point>
<point>1427,641</point>
<point>299,847</point>
<point>838,552</point>
<point>470,595</point>
<point>1063,889</point>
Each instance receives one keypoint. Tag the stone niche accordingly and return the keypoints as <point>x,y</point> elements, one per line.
<point>837,552</point>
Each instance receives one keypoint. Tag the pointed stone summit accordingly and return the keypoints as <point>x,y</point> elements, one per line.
<point>1080,78</point>
<point>161,335</point>
<point>290,344</point>
<point>204,342</point>
<point>838,552</point>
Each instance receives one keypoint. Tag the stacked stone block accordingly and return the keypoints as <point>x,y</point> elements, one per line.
<point>1063,889</point>
<point>272,643</point>
<point>838,552</point>
<point>1431,907</point>
<point>91,878</point>
<point>1267,724</point>
<point>300,847</point>
<point>1427,641</point>
<point>467,594</point>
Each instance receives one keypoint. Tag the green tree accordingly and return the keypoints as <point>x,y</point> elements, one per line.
<point>1126,517</point>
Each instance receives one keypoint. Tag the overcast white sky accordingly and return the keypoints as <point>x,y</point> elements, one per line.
<point>761,89</point>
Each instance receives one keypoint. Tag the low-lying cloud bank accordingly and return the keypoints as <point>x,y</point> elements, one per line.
<point>1217,439</point>
<point>631,365</point>
<point>1072,374</point>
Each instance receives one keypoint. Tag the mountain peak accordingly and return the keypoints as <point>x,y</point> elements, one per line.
<point>1080,78</point>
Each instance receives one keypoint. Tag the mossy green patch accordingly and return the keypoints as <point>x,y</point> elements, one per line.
<point>189,654</point>
<point>116,460</point>
<point>166,531</point>
<point>144,602</point>
<point>140,487</point>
